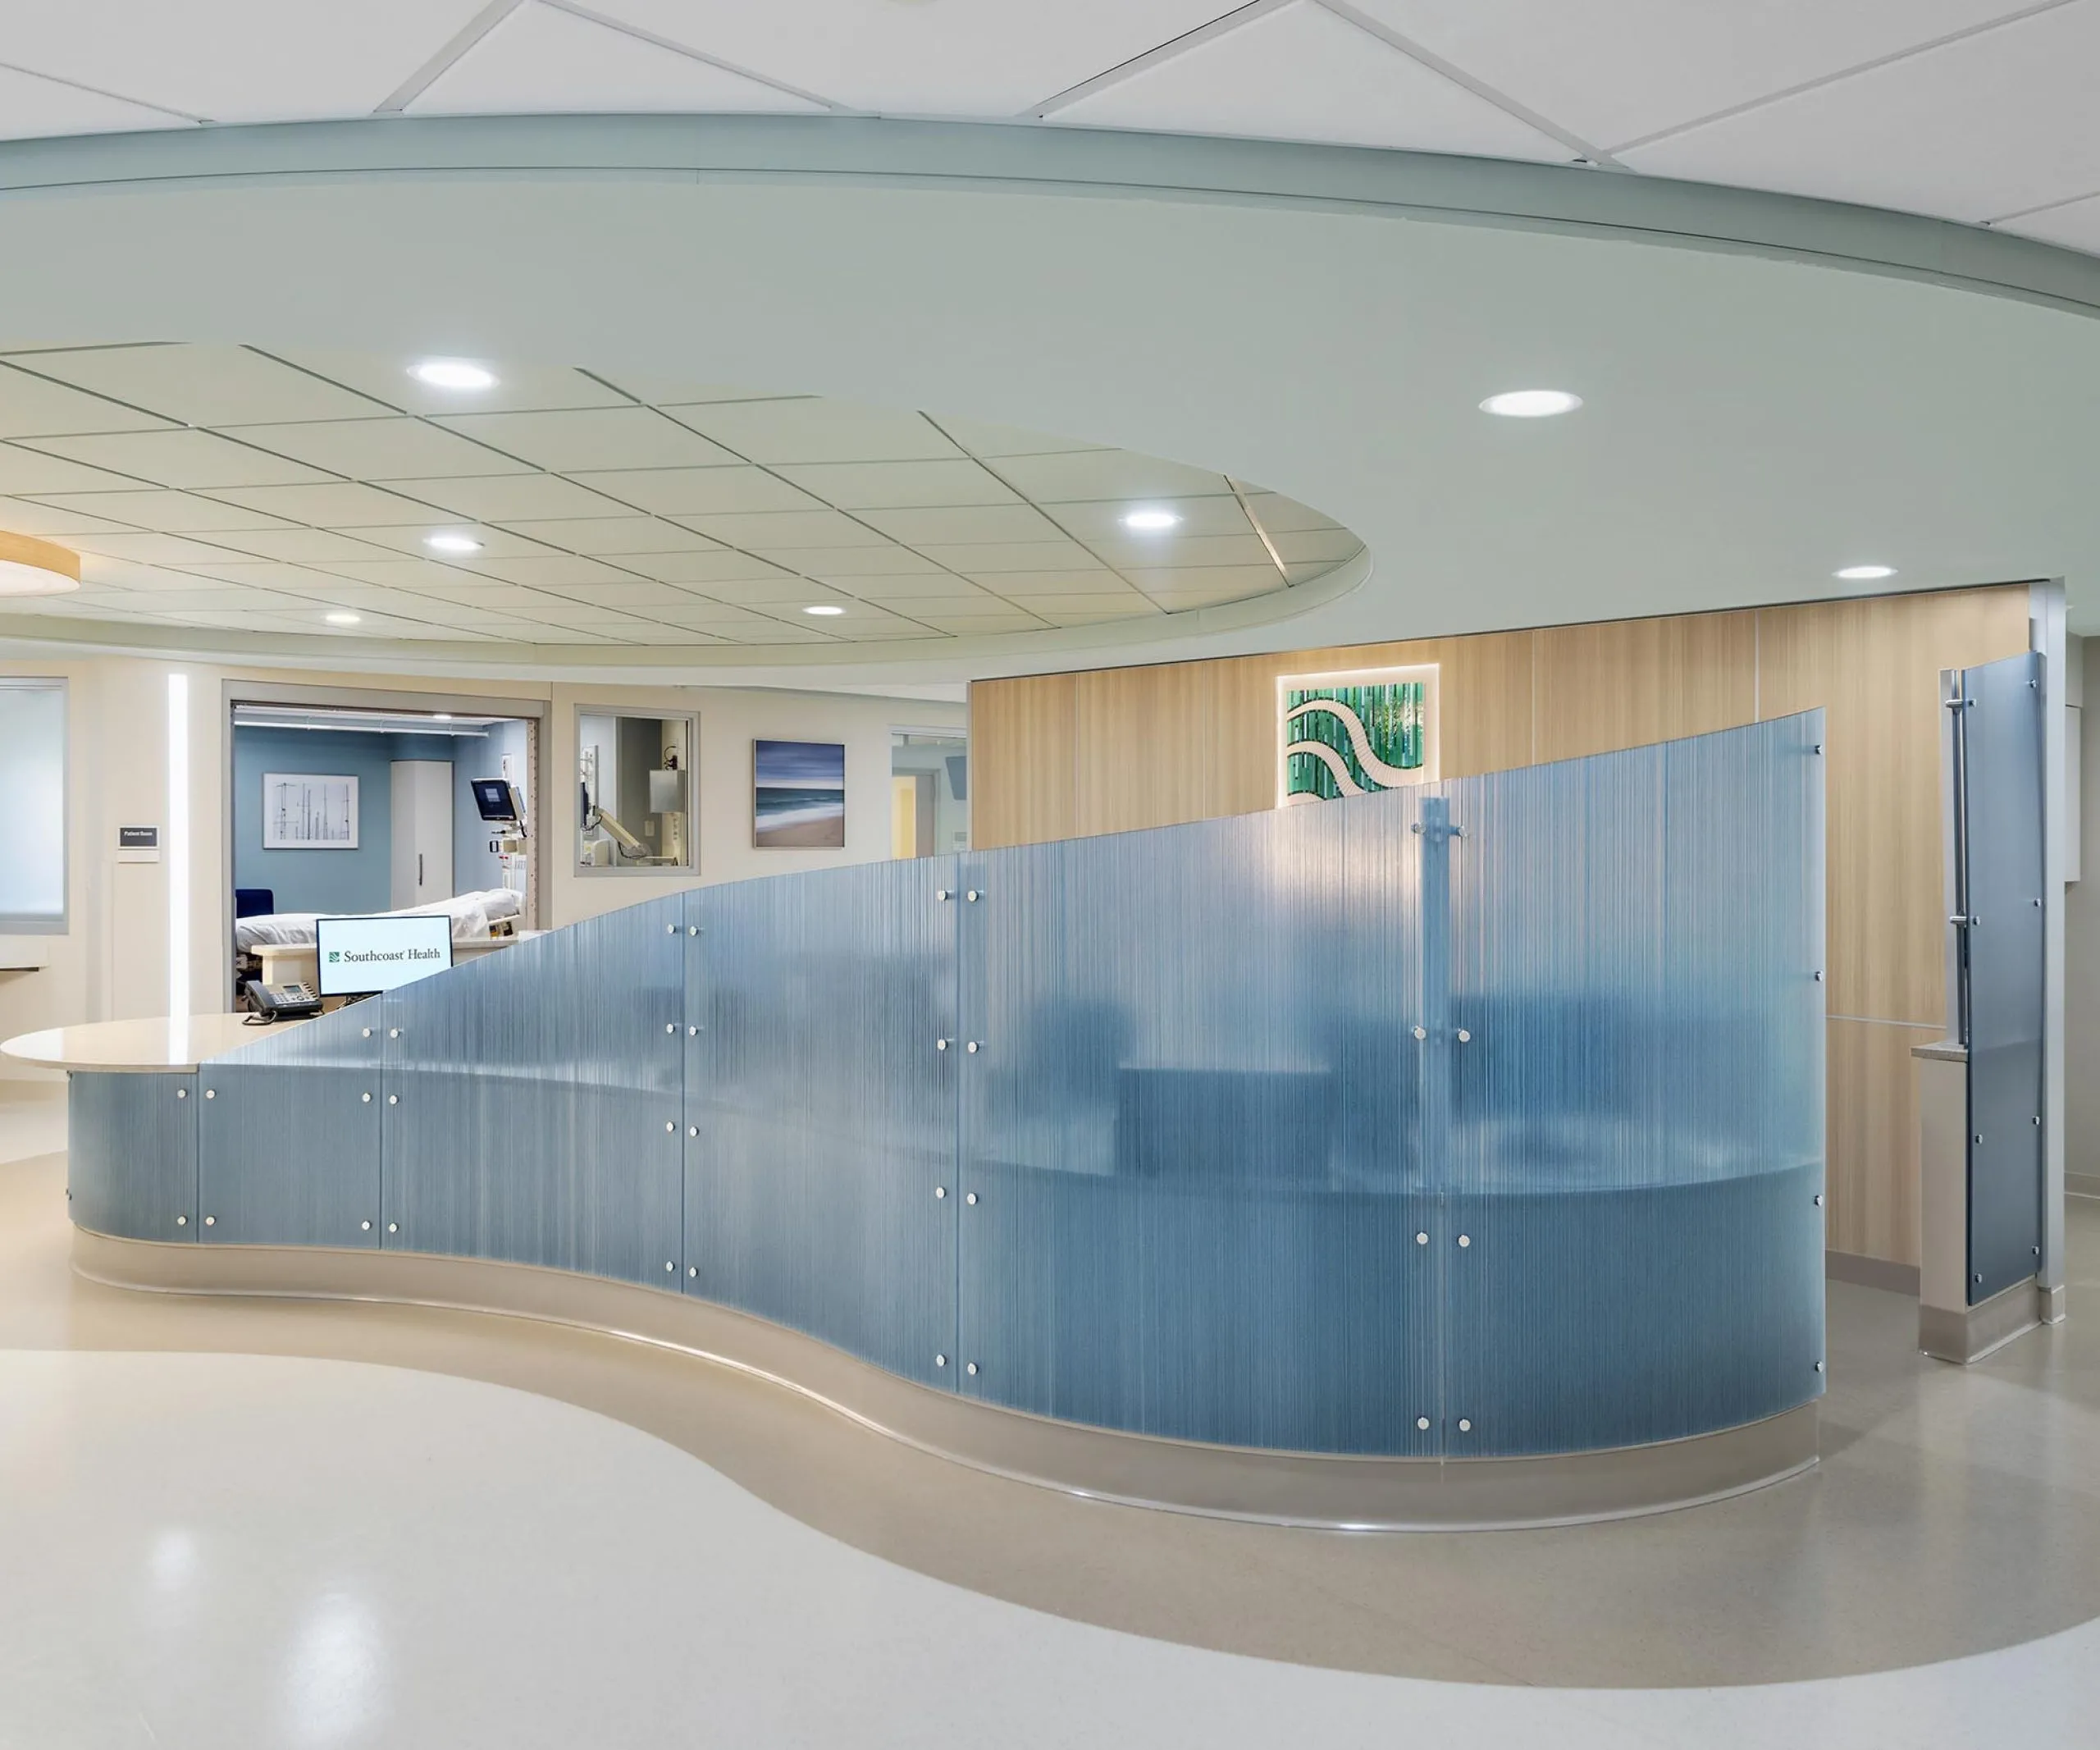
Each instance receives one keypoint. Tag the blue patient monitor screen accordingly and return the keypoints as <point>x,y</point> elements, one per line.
<point>360,955</point>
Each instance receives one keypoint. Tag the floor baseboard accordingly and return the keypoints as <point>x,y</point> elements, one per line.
<point>1871,1273</point>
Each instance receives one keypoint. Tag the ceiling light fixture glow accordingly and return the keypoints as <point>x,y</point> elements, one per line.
<point>36,568</point>
<point>1863,574</point>
<point>1531,403</point>
<point>825,608</point>
<point>343,619</point>
<point>1150,521</point>
<point>452,373</point>
<point>452,543</point>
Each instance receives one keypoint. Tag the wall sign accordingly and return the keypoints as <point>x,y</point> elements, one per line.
<point>138,845</point>
<point>1352,734</point>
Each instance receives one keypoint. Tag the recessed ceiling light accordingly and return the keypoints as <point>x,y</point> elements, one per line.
<point>1863,574</point>
<point>824,608</point>
<point>452,373</point>
<point>343,619</point>
<point>1532,403</point>
<point>452,543</point>
<point>36,568</point>
<point>1149,522</point>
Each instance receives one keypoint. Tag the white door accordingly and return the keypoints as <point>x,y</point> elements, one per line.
<point>422,832</point>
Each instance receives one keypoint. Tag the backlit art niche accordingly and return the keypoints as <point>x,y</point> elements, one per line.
<point>1352,734</point>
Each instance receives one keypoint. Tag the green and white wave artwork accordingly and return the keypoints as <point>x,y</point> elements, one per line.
<point>1348,741</point>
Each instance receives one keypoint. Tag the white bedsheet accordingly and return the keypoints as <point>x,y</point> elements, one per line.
<point>470,915</point>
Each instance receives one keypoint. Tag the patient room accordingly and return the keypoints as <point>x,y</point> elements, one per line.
<point>344,811</point>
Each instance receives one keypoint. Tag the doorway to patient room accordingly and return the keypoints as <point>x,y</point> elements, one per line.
<point>358,804</point>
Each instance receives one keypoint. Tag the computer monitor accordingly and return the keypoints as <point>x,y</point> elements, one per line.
<point>361,955</point>
<point>497,800</point>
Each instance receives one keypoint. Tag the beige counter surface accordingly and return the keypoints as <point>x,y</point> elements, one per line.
<point>164,1043</point>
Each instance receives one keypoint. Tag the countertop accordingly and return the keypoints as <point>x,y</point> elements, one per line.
<point>165,1042</point>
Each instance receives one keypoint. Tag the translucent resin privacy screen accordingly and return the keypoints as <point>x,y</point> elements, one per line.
<point>1481,1117</point>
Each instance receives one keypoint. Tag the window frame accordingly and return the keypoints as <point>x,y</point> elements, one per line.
<point>20,924</point>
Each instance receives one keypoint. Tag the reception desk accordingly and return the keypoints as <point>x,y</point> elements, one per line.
<point>1446,1156</point>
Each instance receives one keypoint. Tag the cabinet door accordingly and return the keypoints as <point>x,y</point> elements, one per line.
<point>421,863</point>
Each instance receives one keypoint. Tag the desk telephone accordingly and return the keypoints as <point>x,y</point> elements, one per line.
<point>280,1003</point>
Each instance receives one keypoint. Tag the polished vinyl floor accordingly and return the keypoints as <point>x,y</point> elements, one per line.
<point>229,1524</point>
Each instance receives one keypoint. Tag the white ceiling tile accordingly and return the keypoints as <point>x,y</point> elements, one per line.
<point>170,513</point>
<point>575,438</point>
<point>482,596</point>
<point>1012,556</point>
<point>203,386</point>
<point>547,570</point>
<point>31,108</point>
<point>32,407</point>
<point>966,522</point>
<point>1327,547</point>
<point>538,59</point>
<point>401,574</point>
<point>982,437</point>
<point>1090,522</point>
<point>1008,619</point>
<point>340,504</point>
<point>936,586</point>
<point>1176,549</point>
<point>817,431</point>
<point>517,388</point>
<point>700,491</point>
<point>238,60</point>
<point>605,537</point>
<point>22,516</point>
<point>757,532</point>
<point>413,539</point>
<point>299,547</point>
<point>389,448</point>
<point>634,595</point>
<point>535,498</point>
<point>1084,581</point>
<point>191,460</point>
<point>1104,474</point>
<point>1278,514</point>
<point>25,472</point>
<point>851,562</point>
<point>291,579</point>
<point>1616,70</point>
<point>1974,130</point>
<point>991,58</point>
<point>701,570</point>
<point>1083,610</point>
<point>870,486</point>
<point>152,549</point>
<point>1184,583</point>
<point>1304,73</point>
<point>647,386</point>
<point>794,591</point>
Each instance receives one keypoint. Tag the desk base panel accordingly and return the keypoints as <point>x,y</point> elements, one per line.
<point>1312,1490</point>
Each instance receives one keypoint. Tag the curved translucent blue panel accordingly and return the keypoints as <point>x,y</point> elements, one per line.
<point>1187,1132</point>
<point>1628,1048</point>
<point>288,1136</point>
<point>533,1101</point>
<point>825,1106</point>
<point>131,1154</point>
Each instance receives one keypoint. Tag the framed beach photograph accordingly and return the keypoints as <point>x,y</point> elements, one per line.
<point>798,794</point>
<point>309,811</point>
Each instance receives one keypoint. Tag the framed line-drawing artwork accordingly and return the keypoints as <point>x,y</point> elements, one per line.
<point>798,794</point>
<point>309,811</point>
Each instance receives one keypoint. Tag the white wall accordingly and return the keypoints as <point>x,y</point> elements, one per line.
<point>112,961</point>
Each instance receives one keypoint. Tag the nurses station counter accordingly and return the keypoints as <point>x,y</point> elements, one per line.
<point>1447,1156</point>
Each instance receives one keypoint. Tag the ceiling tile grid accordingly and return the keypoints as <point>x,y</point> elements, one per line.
<point>1969,109</point>
<point>570,506</point>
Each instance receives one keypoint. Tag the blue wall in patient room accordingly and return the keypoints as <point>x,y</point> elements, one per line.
<point>361,880</point>
<point>351,881</point>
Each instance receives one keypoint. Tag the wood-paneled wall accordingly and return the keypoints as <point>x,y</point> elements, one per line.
<point>1052,757</point>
